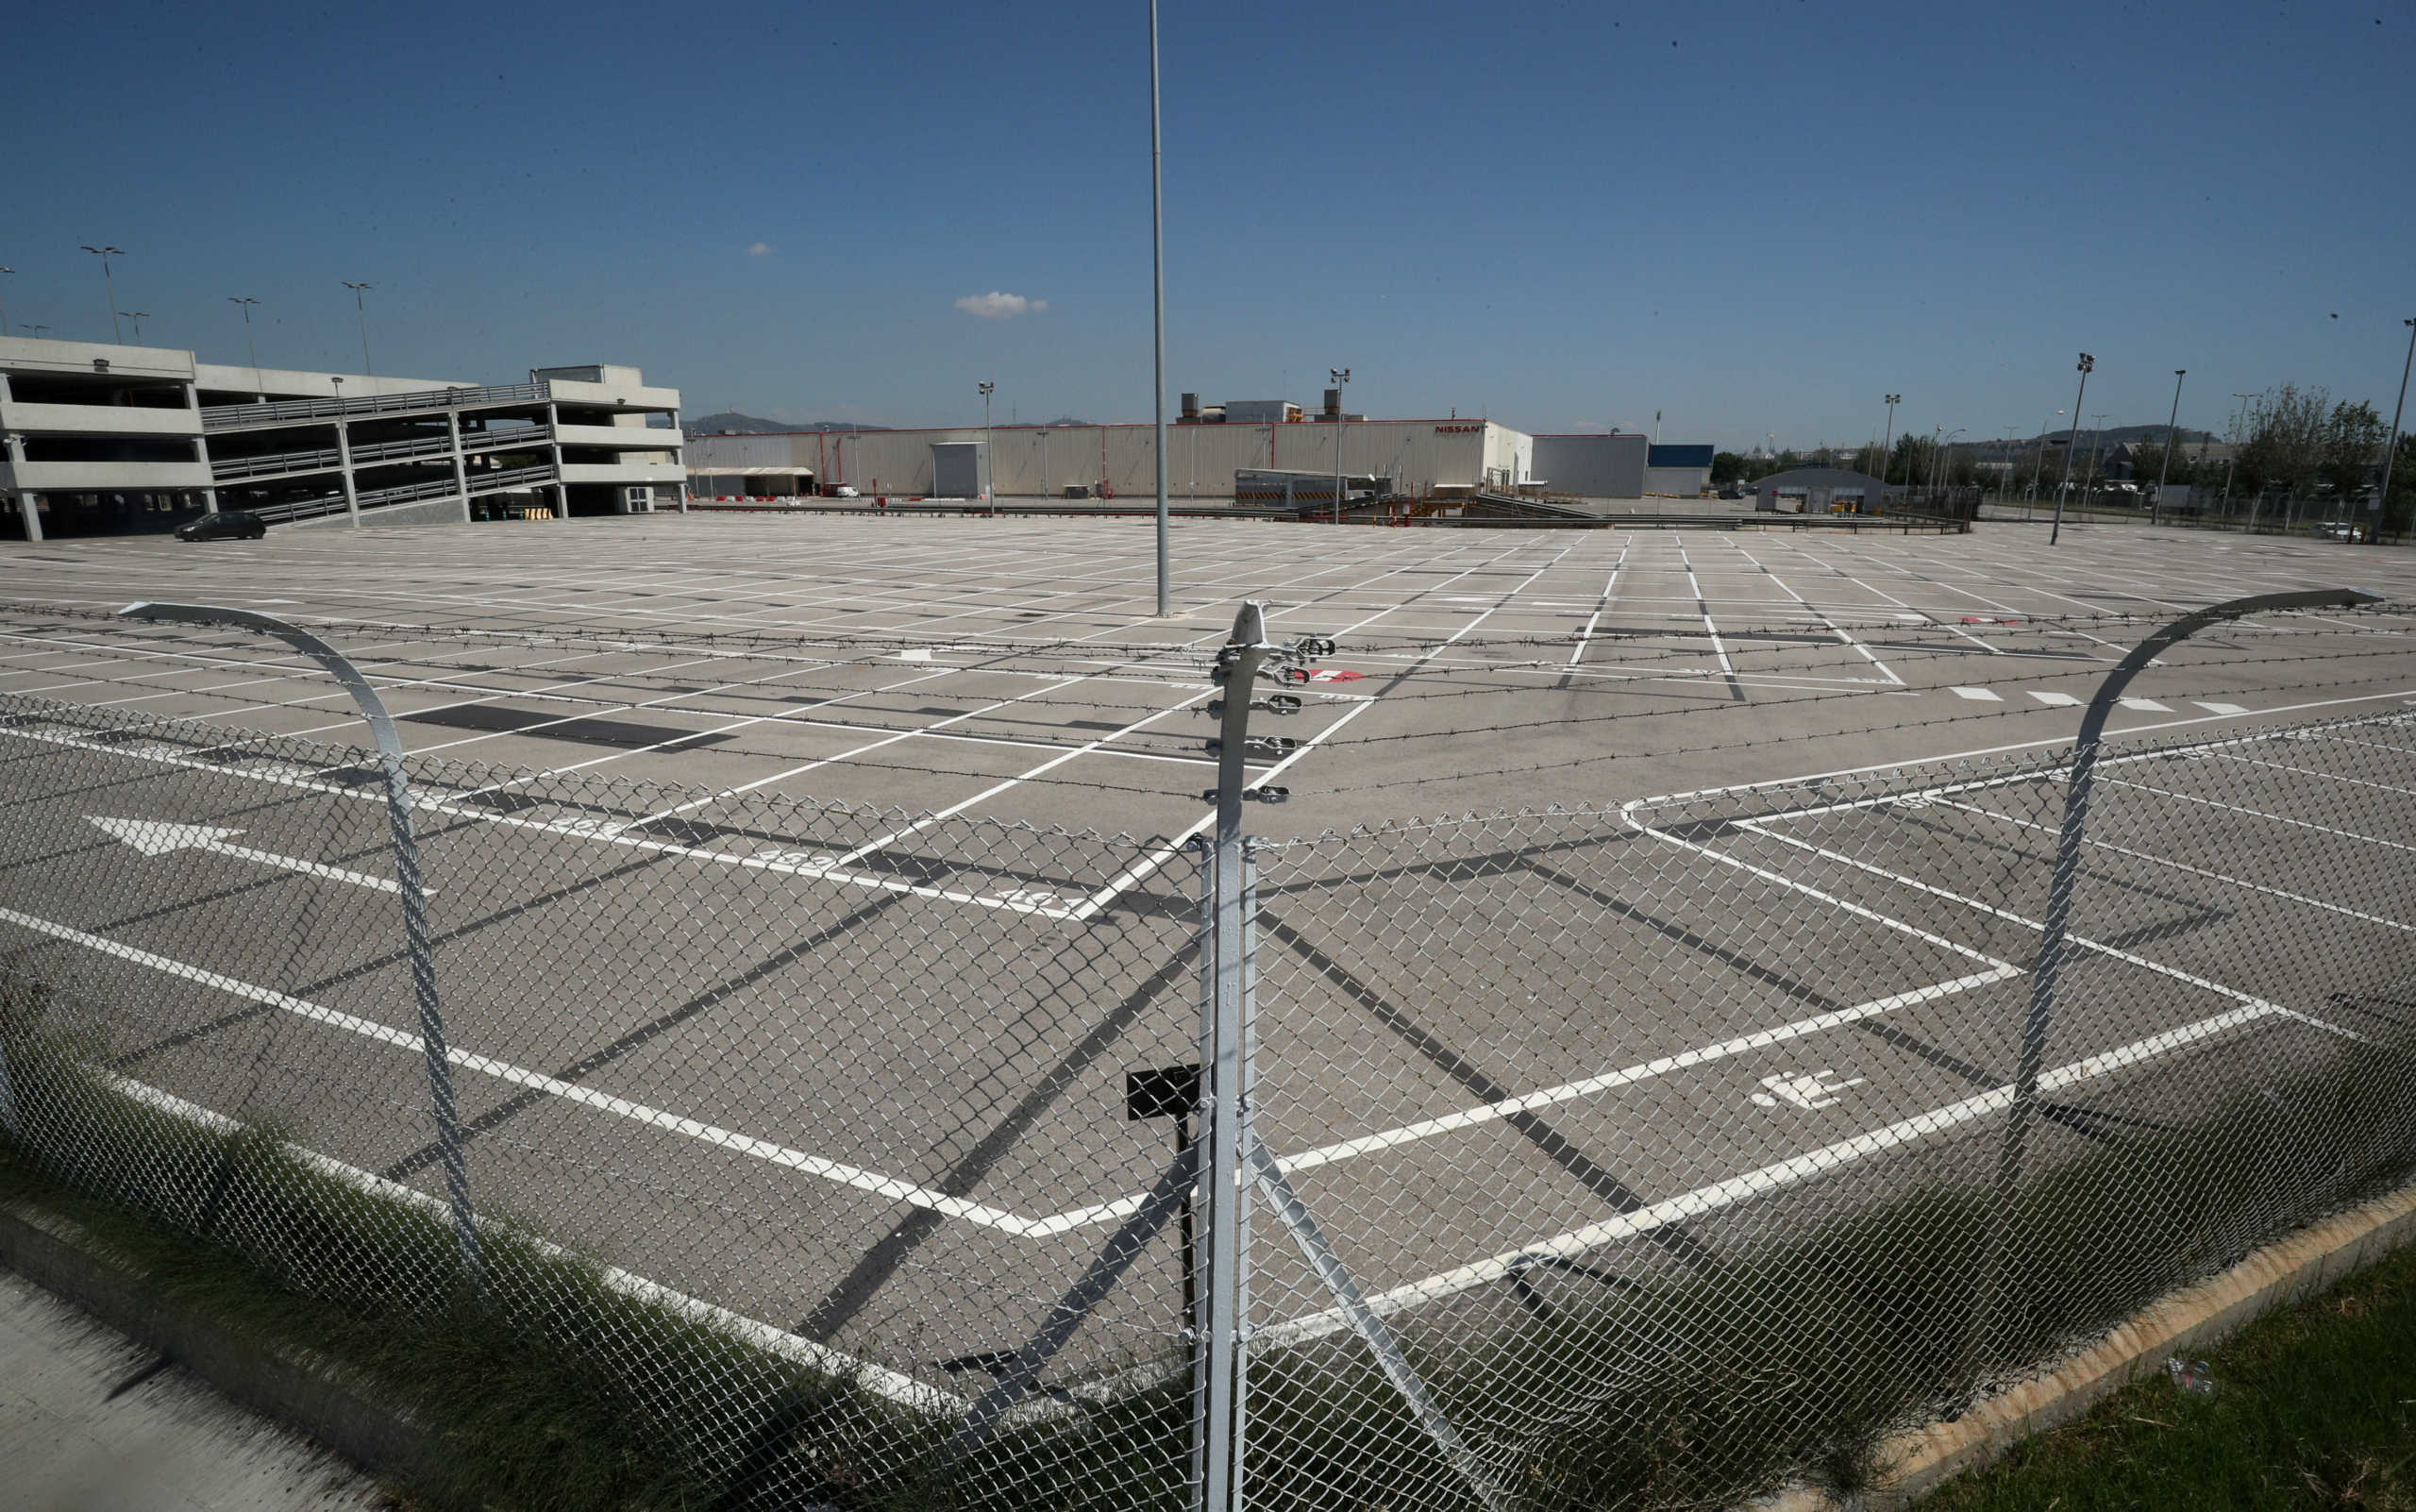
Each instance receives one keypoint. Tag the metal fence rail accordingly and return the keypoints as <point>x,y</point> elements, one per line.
<point>1629,1157</point>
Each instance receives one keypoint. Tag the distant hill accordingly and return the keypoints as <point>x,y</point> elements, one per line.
<point>729,421</point>
<point>2111,436</point>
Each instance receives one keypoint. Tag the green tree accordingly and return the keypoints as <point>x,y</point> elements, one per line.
<point>2353,443</point>
<point>2284,450</point>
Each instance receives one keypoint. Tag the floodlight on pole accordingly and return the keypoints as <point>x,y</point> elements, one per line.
<point>2087,364</point>
<point>2172,438</point>
<point>1890,441</point>
<point>361,312</point>
<point>2390,453</point>
<point>244,303</point>
<point>4,308</point>
<point>1340,376</point>
<point>105,253</point>
<point>137,316</point>
<point>989,485</point>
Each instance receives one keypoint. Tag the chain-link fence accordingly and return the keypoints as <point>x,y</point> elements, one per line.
<point>855,1158</point>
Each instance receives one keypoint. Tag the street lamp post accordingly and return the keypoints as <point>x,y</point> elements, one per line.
<point>361,312</point>
<point>2096,442</point>
<point>2239,417</point>
<point>1340,376</point>
<point>105,253</point>
<point>4,308</point>
<point>2390,453</point>
<point>989,478</point>
<point>1939,452</point>
<point>1158,308</point>
<point>2172,438</point>
<point>2039,464</point>
<point>137,316</point>
<point>244,303</point>
<point>1893,400</point>
<point>2055,531</point>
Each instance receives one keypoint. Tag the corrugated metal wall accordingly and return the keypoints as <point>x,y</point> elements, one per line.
<point>1603,466</point>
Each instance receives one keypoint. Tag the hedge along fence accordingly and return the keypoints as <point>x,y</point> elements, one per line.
<point>558,1383</point>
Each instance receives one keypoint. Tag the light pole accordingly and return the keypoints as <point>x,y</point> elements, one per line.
<point>1340,376</point>
<point>2390,453</point>
<point>2239,418</point>
<point>1158,308</point>
<point>244,303</point>
<point>4,308</point>
<point>2096,440</point>
<point>2004,483</point>
<point>105,253</point>
<point>361,312</point>
<point>2055,531</point>
<point>1937,470</point>
<point>2039,462</point>
<point>2172,435</point>
<point>136,316</point>
<point>1893,400</point>
<point>989,479</point>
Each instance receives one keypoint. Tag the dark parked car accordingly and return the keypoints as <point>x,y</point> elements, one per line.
<point>227,525</point>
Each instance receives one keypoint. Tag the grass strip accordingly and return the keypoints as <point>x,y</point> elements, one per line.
<point>2314,1407</point>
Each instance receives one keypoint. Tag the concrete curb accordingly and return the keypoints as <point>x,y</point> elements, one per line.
<point>1913,1463</point>
<point>308,1395</point>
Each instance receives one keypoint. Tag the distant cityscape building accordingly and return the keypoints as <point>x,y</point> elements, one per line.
<point>107,439</point>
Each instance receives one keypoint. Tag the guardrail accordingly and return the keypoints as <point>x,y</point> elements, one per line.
<point>236,416</point>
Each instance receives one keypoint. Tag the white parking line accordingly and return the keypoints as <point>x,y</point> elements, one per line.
<point>1763,1181</point>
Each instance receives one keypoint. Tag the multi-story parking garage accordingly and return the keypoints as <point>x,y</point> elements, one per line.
<point>112,440</point>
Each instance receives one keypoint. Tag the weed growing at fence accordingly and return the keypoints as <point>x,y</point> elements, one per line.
<point>1794,1360</point>
<point>551,1388</point>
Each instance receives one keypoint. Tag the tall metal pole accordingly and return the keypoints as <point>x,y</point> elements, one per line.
<point>137,316</point>
<point>1340,376</point>
<point>4,308</point>
<point>2172,436</point>
<point>989,473</point>
<point>415,929</point>
<point>1158,309</point>
<point>2239,417</point>
<point>105,253</point>
<point>1886,446</point>
<point>361,312</point>
<point>2055,531</point>
<point>2096,443</point>
<point>244,303</point>
<point>2390,452</point>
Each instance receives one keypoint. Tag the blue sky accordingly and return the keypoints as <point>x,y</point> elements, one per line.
<point>1753,217</point>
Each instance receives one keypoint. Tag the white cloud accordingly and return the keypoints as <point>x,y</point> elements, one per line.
<point>761,249</point>
<point>997,306</point>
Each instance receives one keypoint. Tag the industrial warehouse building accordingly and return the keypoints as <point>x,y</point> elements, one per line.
<point>107,439</point>
<point>1210,450</point>
<point>1115,461</point>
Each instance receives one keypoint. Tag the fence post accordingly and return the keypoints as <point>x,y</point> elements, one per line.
<point>406,878</point>
<point>1218,1416</point>
<point>2039,1020</point>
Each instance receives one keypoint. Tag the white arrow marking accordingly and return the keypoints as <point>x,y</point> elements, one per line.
<point>154,837</point>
